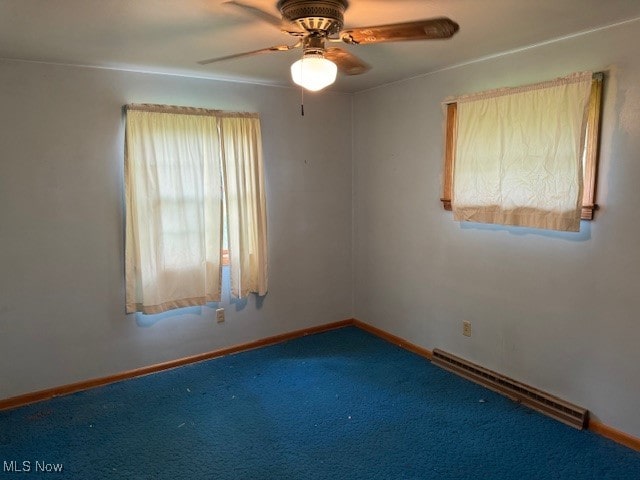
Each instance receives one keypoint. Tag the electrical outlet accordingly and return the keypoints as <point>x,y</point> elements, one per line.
<point>466,328</point>
<point>220,315</point>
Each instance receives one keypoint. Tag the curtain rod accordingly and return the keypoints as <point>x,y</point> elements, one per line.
<point>149,107</point>
<point>596,76</point>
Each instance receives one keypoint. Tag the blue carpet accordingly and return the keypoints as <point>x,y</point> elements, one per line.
<point>337,405</point>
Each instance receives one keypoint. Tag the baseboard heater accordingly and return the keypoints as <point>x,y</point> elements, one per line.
<point>543,402</point>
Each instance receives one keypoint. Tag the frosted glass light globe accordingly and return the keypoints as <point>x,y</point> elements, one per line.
<point>314,72</point>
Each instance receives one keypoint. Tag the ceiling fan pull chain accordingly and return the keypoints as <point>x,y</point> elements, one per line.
<point>302,95</point>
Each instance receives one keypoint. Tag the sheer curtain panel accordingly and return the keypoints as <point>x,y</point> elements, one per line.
<point>241,153</point>
<point>518,154</point>
<point>175,194</point>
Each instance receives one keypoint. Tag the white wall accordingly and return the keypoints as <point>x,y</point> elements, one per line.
<point>557,311</point>
<point>62,314</point>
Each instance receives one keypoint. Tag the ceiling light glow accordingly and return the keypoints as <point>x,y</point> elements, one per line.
<point>314,72</point>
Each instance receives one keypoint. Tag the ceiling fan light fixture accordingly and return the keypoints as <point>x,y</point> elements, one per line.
<point>314,72</point>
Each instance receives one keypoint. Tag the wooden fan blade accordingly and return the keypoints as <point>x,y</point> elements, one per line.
<point>277,48</point>
<point>347,63</point>
<point>277,22</point>
<point>434,28</point>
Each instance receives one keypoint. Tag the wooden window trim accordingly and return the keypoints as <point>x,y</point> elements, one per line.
<point>592,149</point>
<point>450,154</point>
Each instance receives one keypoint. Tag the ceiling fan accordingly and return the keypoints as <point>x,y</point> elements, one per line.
<point>317,22</point>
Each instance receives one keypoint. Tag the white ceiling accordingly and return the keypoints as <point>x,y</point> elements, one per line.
<point>170,36</point>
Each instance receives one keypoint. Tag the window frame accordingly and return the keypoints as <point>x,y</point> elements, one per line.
<point>591,150</point>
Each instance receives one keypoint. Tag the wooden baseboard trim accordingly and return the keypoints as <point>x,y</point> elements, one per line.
<point>615,435</point>
<point>39,396</point>
<point>401,342</point>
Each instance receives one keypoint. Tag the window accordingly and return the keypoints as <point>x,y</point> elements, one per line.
<point>501,132</point>
<point>193,184</point>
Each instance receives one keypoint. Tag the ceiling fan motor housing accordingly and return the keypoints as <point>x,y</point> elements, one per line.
<point>326,16</point>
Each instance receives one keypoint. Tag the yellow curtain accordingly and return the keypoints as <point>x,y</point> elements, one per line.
<point>241,153</point>
<point>174,206</point>
<point>519,155</point>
